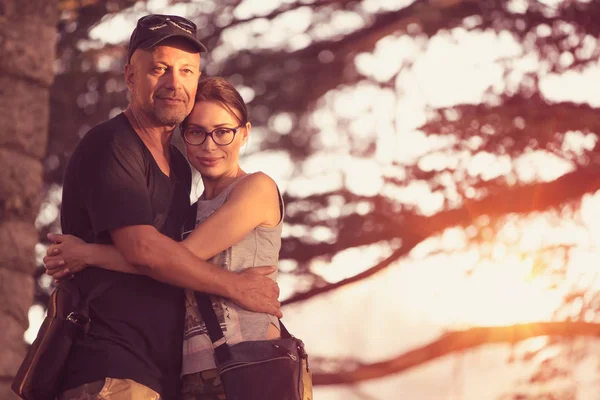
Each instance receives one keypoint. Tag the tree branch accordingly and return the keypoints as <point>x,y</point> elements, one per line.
<point>275,13</point>
<point>542,123</point>
<point>455,342</point>
<point>318,78</point>
<point>356,278</point>
<point>522,199</point>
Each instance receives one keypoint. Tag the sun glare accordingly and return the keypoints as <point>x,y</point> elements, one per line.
<point>520,275</point>
<point>502,294</point>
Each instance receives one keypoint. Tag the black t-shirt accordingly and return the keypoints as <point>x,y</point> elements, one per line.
<point>113,181</point>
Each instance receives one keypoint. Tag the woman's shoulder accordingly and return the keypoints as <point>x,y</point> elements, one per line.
<point>261,192</point>
<point>257,182</point>
<point>261,178</point>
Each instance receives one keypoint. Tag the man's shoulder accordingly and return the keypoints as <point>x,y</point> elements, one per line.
<point>116,130</point>
<point>114,136</point>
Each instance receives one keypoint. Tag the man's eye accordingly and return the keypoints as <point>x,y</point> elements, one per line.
<point>159,69</point>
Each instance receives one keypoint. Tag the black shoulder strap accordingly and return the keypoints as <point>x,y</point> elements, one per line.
<point>284,332</point>
<point>220,345</point>
<point>212,324</point>
<point>209,317</point>
<point>76,310</point>
<point>189,221</point>
<point>98,290</point>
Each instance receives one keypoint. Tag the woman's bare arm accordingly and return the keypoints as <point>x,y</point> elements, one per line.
<point>253,202</point>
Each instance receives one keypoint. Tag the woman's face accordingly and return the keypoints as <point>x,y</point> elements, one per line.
<point>210,159</point>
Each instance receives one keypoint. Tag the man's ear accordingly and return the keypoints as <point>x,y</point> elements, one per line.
<point>129,76</point>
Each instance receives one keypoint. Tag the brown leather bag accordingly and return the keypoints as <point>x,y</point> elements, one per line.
<point>40,375</point>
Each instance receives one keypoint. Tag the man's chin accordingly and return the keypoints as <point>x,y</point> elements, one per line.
<point>170,118</point>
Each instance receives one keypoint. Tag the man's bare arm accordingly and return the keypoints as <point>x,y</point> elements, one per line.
<point>145,254</point>
<point>163,259</point>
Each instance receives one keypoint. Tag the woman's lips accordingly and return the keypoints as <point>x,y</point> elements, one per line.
<point>208,161</point>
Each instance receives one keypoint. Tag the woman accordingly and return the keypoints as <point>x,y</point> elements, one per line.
<point>238,221</point>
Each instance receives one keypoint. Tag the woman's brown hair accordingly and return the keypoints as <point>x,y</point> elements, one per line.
<point>219,90</point>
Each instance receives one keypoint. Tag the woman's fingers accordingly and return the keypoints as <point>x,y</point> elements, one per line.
<point>52,263</point>
<point>53,250</point>
<point>62,274</point>
<point>56,237</point>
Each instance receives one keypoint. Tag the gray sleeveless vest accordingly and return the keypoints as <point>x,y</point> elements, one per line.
<point>259,247</point>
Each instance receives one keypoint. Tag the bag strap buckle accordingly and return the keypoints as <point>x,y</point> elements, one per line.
<point>220,342</point>
<point>78,319</point>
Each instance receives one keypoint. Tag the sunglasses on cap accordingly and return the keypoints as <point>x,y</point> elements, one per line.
<point>158,21</point>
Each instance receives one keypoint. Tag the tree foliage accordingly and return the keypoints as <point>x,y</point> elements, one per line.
<point>297,76</point>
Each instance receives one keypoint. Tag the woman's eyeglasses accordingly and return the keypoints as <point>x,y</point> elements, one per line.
<point>221,136</point>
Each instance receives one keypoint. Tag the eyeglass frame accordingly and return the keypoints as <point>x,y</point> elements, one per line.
<point>173,19</point>
<point>207,134</point>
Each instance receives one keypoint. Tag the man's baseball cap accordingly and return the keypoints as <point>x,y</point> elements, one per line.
<point>154,28</point>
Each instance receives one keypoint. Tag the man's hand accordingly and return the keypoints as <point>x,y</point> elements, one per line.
<point>255,291</point>
<point>65,257</point>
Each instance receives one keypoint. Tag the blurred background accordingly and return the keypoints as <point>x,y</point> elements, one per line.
<point>439,161</point>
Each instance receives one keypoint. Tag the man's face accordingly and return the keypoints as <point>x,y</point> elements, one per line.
<point>163,81</point>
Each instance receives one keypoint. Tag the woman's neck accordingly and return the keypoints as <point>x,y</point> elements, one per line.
<point>214,186</point>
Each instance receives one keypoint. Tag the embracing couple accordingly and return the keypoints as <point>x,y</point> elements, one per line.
<point>126,200</point>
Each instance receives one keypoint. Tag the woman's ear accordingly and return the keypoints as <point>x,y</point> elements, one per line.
<point>246,132</point>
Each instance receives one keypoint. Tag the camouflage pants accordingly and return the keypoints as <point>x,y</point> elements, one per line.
<point>205,385</point>
<point>110,389</point>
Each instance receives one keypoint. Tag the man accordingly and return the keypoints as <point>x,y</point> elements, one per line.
<point>126,185</point>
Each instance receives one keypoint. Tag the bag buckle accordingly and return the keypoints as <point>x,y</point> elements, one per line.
<point>78,319</point>
<point>300,346</point>
<point>286,351</point>
<point>302,351</point>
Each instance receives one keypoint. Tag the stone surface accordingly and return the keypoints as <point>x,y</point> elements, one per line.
<point>24,113</point>
<point>26,48</point>
<point>27,52</point>
<point>43,11</point>
<point>16,294</point>
<point>28,39</point>
<point>17,241</point>
<point>13,345</point>
<point>20,186</point>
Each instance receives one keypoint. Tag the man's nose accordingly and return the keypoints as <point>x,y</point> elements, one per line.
<point>172,80</point>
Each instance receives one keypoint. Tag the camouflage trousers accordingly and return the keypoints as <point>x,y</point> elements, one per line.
<point>205,385</point>
<point>110,389</point>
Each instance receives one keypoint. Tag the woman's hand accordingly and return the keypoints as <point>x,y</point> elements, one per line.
<point>66,256</point>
